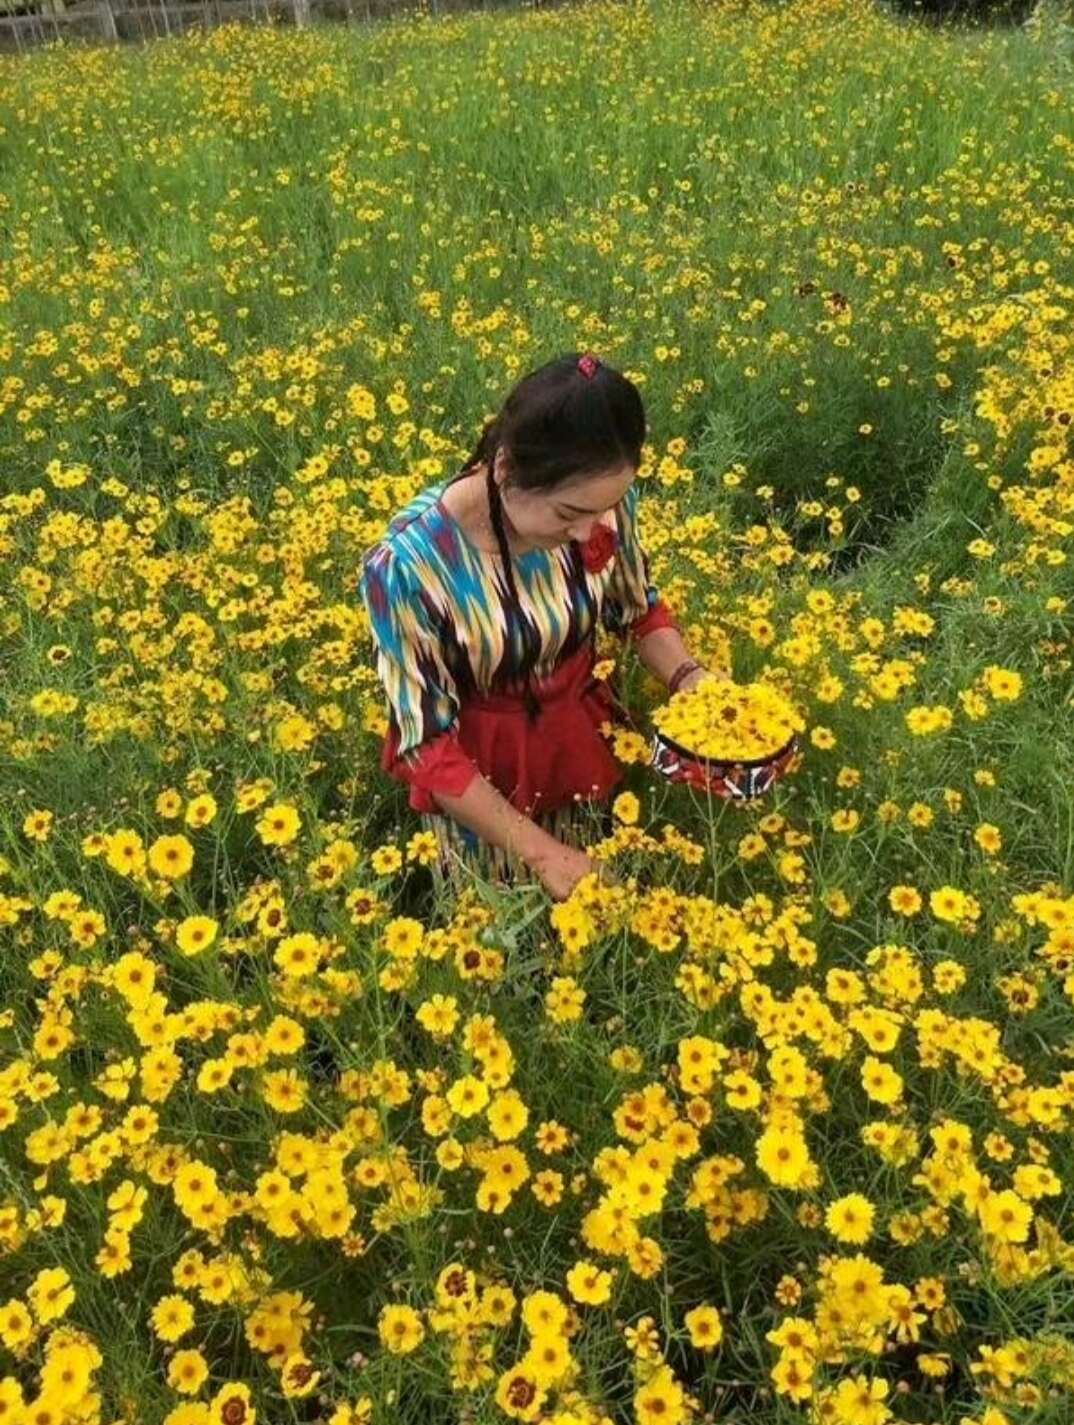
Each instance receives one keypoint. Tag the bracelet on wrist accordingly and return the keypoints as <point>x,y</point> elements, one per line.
<point>684,669</point>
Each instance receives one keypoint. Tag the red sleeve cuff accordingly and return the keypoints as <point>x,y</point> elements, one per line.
<point>659,616</point>
<point>439,765</point>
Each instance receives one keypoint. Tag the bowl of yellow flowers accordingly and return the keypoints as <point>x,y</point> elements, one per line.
<point>732,739</point>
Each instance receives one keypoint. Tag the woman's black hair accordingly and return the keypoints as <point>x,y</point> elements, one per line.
<point>556,424</point>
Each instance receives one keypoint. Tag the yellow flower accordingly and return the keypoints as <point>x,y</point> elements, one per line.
<point>547,1187</point>
<point>298,1376</point>
<point>904,900</point>
<point>880,1081</point>
<point>544,1313</point>
<point>403,937</point>
<point>201,810</point>
<point>563,1002</point>
<point>194,1186</point>
<point>187,1372</point>
<point>988,838</point>
<point>728,721</point>
<point>1005,1216</point>
<point>850,1218</point>
<point>948,903</point>
<point>742,1090</point>
<point>298,955</point>
<point>751,846</point>
<point>169,803</point>
<point>231,1403</point>
<point>66,1374</point>
<point>400,1329</point>
<point>934,1365</point>
<point>629,747</point>
<point>114,1256</point>
<point>423,848</point>
<point>173,1317</point>
<point>284,1090</point>
<point>125,853</point>
<point>1033,1180</point>
<point>468,1096</point>
<point>1003,684</point>
<point>661,1400</point>
<point>50,1294</point>
<point>792,1375</point>
<point>16,1324</point>
<point>838,903</point>
<point>171,857</point>
<point>861,1401</point>
<point>279,824</point>
<point>438,1015</point>
<point>626,808</point>
<point>134,976</point>
<point>789,1072</point>
<point>60,905</point>
<point>548,1358</point>
<point>519,1394</point>
<point>253,794</point>
<point>195,934</point>
<point>589,1284</point>
<point>782,1156</point>
<point>37,825</point>
<point>51,703</point>
<point>293,734</point>
<point>386,860</point>
<point>507,1115</point>
<point>925,721</point>
<point>363,906</point>
<point>358,1414</point>
<point>705,1327</point>
<point>449,1155</point>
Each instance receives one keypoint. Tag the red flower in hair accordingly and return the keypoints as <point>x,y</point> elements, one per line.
<point>598,548</point>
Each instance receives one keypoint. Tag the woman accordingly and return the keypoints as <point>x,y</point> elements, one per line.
<point>484,597</point>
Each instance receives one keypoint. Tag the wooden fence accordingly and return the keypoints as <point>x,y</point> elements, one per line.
<point>120,21</point>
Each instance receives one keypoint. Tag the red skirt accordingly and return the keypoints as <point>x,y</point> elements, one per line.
<point>538,766</point>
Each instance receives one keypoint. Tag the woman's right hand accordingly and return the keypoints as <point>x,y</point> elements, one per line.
<point>561,870</point>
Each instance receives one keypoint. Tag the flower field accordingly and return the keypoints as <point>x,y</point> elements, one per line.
<point>775,1128</point>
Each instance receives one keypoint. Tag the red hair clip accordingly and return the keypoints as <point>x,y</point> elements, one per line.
<point>588,364</point>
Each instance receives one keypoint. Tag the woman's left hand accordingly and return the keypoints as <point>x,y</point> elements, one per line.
<point>692,679</point>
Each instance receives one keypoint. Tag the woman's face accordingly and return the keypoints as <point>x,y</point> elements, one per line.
<point>545,519</point>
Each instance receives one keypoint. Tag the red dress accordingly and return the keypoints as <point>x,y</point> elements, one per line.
<point>537,765</point>
<point>437,610</point>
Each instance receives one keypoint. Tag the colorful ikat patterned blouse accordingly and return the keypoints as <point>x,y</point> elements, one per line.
<point>443,623</point>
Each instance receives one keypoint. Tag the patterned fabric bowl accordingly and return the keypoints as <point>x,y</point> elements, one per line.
<point>739,781</point>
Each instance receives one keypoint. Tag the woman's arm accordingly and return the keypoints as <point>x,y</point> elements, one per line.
<point>492,817</point>
<point>663,650</point>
